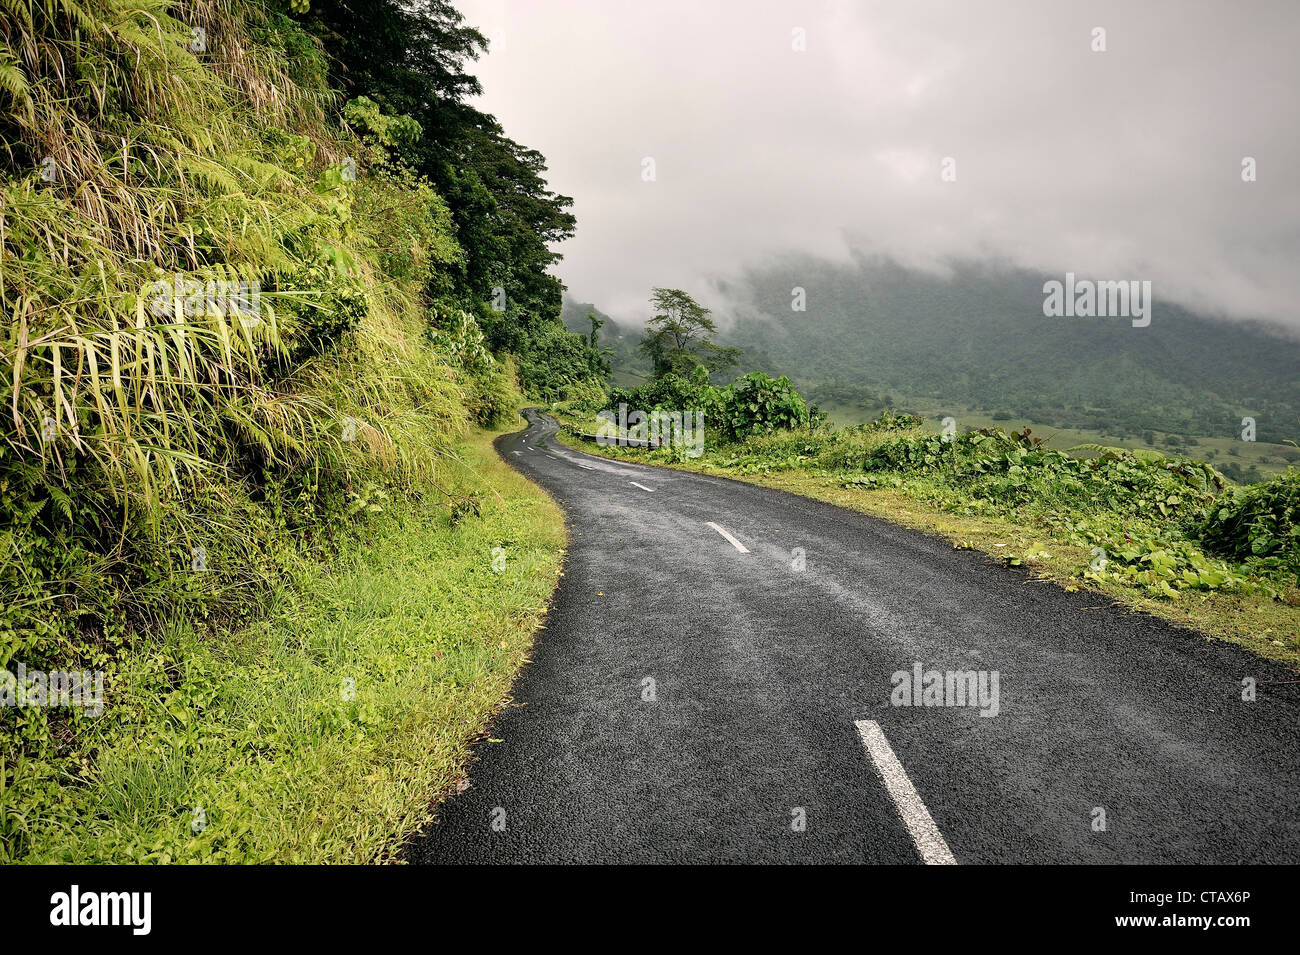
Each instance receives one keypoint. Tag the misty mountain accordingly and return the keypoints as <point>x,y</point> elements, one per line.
<point>979,338</point>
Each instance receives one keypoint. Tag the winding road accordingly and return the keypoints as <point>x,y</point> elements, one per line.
<point>714,684</point>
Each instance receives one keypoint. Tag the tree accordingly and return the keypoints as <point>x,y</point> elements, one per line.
<point>412,60</point>
<point>597,357</point>
<point>678,336</point>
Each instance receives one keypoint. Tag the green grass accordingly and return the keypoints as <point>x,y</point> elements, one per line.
<point>255,726</point>
<point>1041,513</point>
<point>1219,450</point>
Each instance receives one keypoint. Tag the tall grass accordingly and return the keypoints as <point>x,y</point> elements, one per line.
<point>164,458</point>
<point>134,158</point>
<point>154,169</point>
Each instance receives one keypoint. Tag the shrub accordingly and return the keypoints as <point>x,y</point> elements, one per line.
<point>586,393</point>
<point>1259,522</point>
<point>757,404</point>
<point>753,404</point>
<point>889,421</point>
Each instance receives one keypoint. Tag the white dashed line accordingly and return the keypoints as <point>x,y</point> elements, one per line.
<point>929,841</point>
<point>734,543</point>
<point>516,452</point>
<point>587,466</point>
<point>642,486</point>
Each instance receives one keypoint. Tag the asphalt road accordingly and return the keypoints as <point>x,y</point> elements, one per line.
<point>768,733</point>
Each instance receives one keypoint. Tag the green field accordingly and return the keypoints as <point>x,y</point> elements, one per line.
<point>1220,451</point>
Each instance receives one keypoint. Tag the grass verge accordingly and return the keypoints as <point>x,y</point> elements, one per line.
<point>328,731</point>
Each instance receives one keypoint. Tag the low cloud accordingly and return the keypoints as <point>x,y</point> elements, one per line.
<point>1123,164</point>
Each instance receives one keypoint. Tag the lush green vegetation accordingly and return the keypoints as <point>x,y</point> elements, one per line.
<point>171,460</point>
<point>1163,533</point>
<point>975,346</point>
<point>678,343</point>
<point>1243,462</point>
<point>410,59</point>
<point>323,732</point>
<point>625,364</point>
<point>1259,525</point>
<point>752,404</point>
<point>977,338</point>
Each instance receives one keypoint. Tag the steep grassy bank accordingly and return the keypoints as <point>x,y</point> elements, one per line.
<point>1154,533</point>
<point>322,732</point>
<point>245,336</point>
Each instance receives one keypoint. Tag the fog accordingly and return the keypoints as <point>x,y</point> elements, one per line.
<point>1125,164</point>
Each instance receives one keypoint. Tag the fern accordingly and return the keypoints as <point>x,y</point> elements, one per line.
<point>13,81</point>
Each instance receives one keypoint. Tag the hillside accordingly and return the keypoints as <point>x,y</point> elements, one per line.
<point>627,366</point>
<point>979,339</point>
<point>270,281</point>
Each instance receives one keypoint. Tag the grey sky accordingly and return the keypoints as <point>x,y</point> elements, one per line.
<point>1123,164</point>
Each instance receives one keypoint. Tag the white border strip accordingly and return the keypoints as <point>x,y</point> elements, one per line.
<point>929,841</point>
<point>734,543</point>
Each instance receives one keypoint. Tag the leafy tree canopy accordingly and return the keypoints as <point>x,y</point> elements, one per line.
<point>412,60</point>
<point>679,336</point>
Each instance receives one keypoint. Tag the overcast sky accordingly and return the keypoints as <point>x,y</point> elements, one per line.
<point>1123,164</point>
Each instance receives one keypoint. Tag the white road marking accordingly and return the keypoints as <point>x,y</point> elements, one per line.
<point>516,452</point>
<point>734,543</point>
<point>587,466</point>
<point>929,841</point>
<point>642,486</point>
